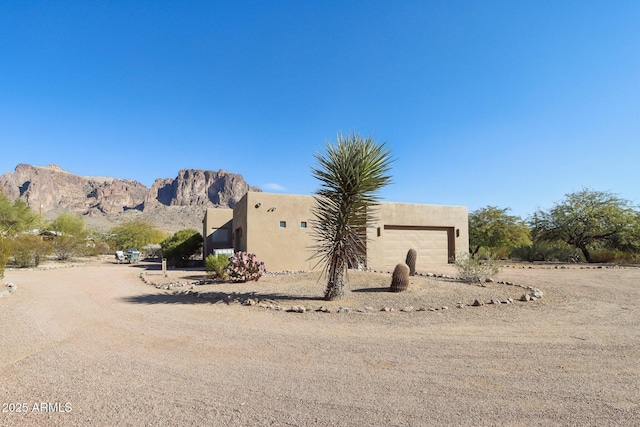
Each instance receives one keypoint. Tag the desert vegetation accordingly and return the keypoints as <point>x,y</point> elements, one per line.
<point>181,247</point>
<point>588,225</point>
<point>135,234</point>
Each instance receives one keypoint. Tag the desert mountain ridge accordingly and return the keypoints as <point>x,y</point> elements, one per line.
<point>170,203</point>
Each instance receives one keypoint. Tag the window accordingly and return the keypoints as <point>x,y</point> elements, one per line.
<point>303,224</point>
<point>283,224</point>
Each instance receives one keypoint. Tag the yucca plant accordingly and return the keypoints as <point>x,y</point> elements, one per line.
<point>350,173</point>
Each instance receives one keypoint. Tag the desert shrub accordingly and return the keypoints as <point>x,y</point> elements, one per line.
<point>400,278</point>
<point>152,250</point>
<point>182,246</point>
<point>216,265</point>
<point>603,255</point>
<point>243,267</point>
<point>502,252</point>
<point>70,236</point>
<point>541,251</point>
<point>5,252</point>
<point>29,250</point>
<point>97,247</point>
<point>472,270</point>
<point>610,255</point>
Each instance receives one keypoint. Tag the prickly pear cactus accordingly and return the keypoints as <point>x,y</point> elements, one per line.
<point>400,278</point>
<point>412,256</point>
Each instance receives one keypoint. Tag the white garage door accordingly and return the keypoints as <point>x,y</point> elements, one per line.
<point>432,246</point>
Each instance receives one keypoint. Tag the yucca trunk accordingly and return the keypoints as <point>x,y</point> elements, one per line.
<point>335,280</point>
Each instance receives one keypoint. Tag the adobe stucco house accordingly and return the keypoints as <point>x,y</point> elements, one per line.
<point>276,227</point>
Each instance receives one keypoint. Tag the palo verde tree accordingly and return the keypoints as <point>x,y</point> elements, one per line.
<point>135,234</point>
<point>492,228</point>
<point>350,173</point>
<point>70,236</point>
<point>16,216</point>
<point>587,218</point>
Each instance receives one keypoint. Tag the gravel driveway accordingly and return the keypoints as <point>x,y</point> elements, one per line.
<point>93,344</point>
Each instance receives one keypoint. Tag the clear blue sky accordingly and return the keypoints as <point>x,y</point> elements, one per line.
<point>504,103</point>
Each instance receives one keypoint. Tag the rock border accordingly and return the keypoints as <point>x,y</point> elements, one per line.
<point>531,294</point>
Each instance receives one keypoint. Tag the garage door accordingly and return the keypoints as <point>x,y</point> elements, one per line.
<point>431,243</point>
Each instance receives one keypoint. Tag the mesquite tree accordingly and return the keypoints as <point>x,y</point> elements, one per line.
<point>350,172</point>
<point>587,218</point>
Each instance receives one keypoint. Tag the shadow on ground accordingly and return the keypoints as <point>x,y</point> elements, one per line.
<point>385,289</point>
<point>215,297</point>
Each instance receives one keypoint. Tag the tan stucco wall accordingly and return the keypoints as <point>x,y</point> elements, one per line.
<point>215,218</point>
<point>281,248</point>
<point>257,217</point>
<point>416,215</point>
<point>240,220</point>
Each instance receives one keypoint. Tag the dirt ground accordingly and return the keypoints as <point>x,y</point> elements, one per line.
<point>94,344</point>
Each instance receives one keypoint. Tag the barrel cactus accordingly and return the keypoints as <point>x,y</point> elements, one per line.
<point>400,278</point>
<point>412,256</point>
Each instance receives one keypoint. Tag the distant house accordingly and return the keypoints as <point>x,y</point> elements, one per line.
<point>277,228</point>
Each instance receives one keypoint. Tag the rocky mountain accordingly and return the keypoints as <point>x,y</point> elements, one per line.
<point>51,190</point>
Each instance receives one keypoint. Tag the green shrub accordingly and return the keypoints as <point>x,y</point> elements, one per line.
<point>493,253</point>
<point>472,270</point>
<point>216,265</point>
<point>5,252</point>
<point>243,267</point>
<point>558,252</point>
<point>181,247</point>
<point>614,256</point>
<point>29,250</point>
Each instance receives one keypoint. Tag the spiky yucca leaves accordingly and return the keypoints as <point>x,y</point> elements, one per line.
<point>350,173</point>
<point>400,278</point>
<point>412,256</point>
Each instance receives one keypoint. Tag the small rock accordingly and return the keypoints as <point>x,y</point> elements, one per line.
<point>386,309</point>
<point>369,309</point>
<point>488,280</point>
<point>525,297</point>
<point>477,303</point>
<point>343,310</point>
<point>460,305</point>
<point>407,308</point>
<point>444,307</point>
